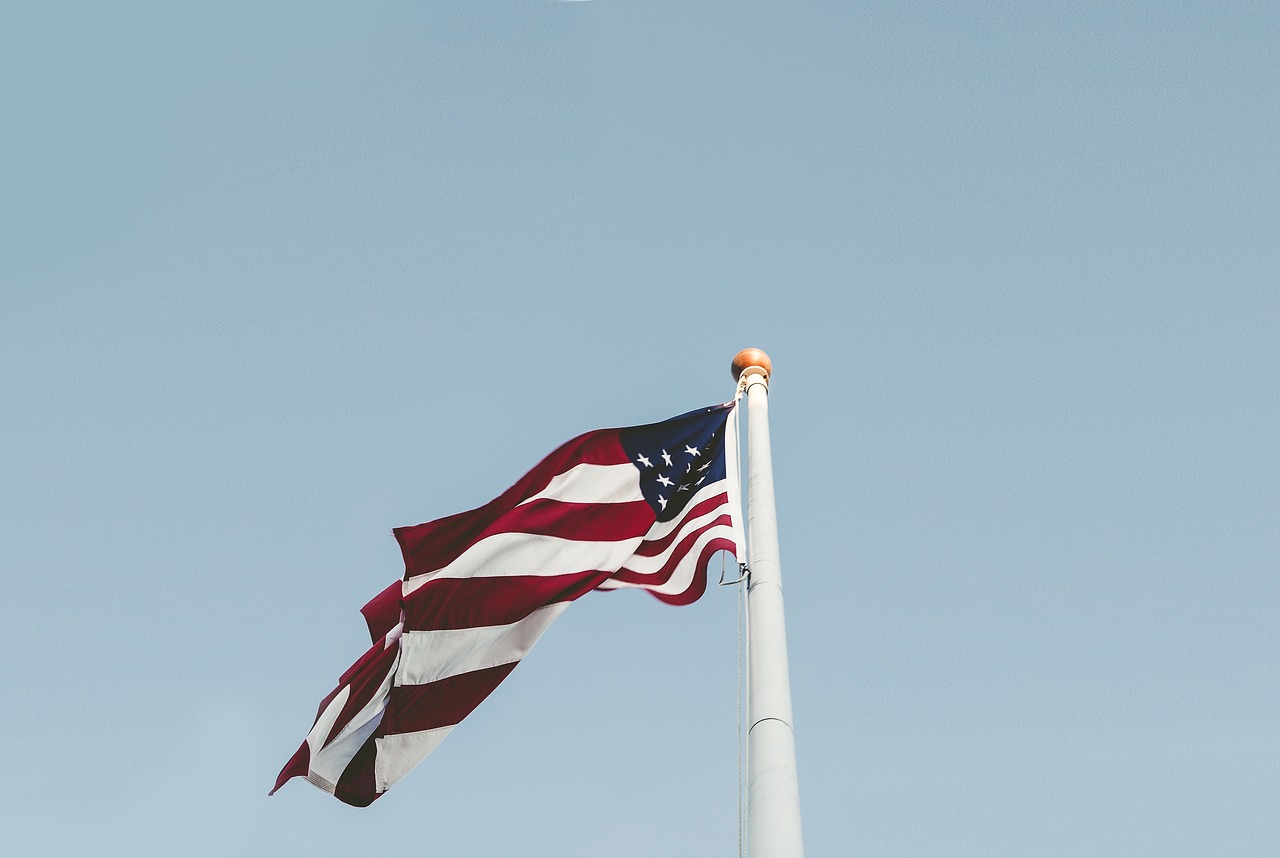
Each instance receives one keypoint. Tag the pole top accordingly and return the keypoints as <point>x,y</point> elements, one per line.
<point>751,362</point>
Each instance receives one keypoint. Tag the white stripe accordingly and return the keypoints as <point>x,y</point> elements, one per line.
<point>318,733</point>
<point>506,554</point>
<point>398,753</point>
<point>331,761</point>
<point>430,655</point>
<point>585,483</point>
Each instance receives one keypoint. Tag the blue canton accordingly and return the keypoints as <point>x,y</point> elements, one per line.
<point>677,457</point>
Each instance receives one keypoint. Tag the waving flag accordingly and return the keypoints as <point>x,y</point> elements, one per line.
<point>643,507</point>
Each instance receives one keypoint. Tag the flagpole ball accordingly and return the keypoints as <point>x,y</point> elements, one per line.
<point>751,359</point>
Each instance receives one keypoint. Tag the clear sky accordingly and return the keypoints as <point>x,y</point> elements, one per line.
<point>279,277</point>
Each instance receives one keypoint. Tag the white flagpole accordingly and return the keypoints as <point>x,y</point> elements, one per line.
<point>773,795</point>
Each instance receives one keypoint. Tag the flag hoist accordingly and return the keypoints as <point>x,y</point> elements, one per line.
<point>773,795</point>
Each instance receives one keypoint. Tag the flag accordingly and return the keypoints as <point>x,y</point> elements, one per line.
<point>643,507</point>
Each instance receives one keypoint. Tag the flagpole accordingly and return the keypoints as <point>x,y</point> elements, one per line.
<point>773,795</point>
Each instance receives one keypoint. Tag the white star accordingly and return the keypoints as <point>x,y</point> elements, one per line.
<point>642,460</point>
<point>662,501</point>
<point>692,451</point>
<point>701,480</point>
<point>704,467</point>
<point>665,481</point>
<point>666,457</point>
<point>684,487</point>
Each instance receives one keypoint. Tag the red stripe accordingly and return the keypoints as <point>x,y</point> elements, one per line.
<point>464,603</point>
<point>584,522</point>
<point>297,767</point>
<point>383,612</point>
<point>434,544</point>
<point>442,703</point>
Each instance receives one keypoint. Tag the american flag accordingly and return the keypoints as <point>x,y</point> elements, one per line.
<point>643,507</point>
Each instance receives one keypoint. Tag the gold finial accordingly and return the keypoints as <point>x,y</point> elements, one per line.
<point>751,362</point>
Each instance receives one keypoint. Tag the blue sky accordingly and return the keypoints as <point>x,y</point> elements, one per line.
<point>278,280</point>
